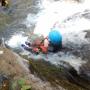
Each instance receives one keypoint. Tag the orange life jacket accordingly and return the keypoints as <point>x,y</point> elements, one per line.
<point>44,49</point>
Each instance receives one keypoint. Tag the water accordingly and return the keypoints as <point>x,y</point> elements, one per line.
<point>68,18</point>
<point>16,41</point>
<point>16,15</point>
<point>71,19</point>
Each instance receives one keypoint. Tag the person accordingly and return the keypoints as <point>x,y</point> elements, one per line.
<point>39,46</point>
<point>30,49</point>
<point>52,43</point>
<point>44,46</point>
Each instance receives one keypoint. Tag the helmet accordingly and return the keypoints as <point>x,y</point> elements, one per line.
<point>55,37</point>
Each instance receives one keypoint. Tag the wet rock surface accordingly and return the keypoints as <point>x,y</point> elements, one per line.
<point>59,75</point>
<point>14,74</point>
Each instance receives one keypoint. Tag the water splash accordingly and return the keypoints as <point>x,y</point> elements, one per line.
<point>59,59</point>
<point>68,18</point>
<point>57,13</point>
<point>16,41</point>
<point>74,61</point>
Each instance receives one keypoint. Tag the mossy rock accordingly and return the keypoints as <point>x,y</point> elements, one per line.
<point>26,87</point>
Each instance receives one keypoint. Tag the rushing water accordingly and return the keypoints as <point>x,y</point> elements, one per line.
<point>71,19</point>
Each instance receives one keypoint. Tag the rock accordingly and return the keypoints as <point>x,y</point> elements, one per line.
<point>58,76</point>
<point>15,67</point>
<point>9,64</point>
<point>85,71</point>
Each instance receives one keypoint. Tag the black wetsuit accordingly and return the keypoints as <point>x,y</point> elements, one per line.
<point>54,48</point>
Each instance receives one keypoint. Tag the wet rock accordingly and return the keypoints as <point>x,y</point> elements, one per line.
<point>88,34</point>
<point>86,14</point>
<point>15,67</point>
<point>67,78</point>
<point>85,71</point>
<point>9,64</point>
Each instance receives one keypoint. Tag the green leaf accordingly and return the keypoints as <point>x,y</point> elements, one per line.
<point>26,87</point>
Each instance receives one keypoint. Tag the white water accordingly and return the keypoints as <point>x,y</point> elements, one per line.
<point>59,58</point>
<point>57,13</point>
<point>16,41</point>
<point>67,17</point>
<point>64,15</point>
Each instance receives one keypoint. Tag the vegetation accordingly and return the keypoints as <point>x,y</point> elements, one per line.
<point>21,84</point>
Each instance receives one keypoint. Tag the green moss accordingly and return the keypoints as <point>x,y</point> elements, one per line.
<point>26,87</point>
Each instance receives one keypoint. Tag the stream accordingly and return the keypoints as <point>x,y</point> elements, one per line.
<point>70,17</point>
